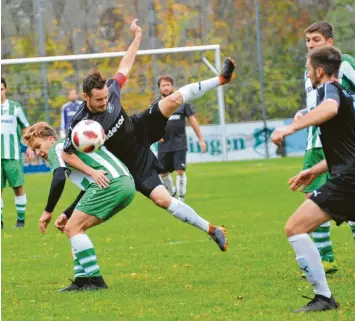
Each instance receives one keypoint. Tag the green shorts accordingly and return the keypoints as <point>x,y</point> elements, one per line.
<point>311,158</point>
<point>106,202</point>
<point>11,171</point>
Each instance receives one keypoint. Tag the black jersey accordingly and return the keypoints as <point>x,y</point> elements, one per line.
<point>338,134</point>
<point>118,127</point>
<point>175,131</point>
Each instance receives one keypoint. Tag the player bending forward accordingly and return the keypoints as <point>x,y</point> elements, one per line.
<point>335,116</point>
<point>95,207</point>
<point>129,137</point>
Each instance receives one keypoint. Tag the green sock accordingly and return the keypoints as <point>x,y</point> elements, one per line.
<point>84,251</point>
<point>20,202</point>
<point>321,237</point>
<point>78,269</point>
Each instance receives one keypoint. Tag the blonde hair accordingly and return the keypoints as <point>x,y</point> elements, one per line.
<point>38,130</point>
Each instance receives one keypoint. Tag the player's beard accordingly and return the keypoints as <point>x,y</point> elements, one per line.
<point>315,81</point>
<point>166,95</point>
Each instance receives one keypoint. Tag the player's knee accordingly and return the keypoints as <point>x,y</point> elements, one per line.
<point>164,174</point>
<point>290,229</point>
<point>175,99</point>
<point>71,230</point>
<point>180,172</point>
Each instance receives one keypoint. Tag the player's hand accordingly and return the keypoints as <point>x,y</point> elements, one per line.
<point>99,176</point>
<point>279,134</point>
<point>203,145</point>
<point>61,222</point>
<point>30,154</point>
<point>137,30</point>
<point>302,180</point>
<point>44,220</point>
<point>161,140</point>
<point>298,115</point>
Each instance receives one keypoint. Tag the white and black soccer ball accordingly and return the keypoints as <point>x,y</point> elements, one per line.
<point>88,136</point>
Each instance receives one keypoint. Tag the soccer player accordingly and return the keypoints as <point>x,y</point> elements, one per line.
<point>335,115</point>
<point>172,147</point>
<point>69,110</point>
<point>129,137</point>
<point>317,35</point>
<point>13,119</point>
<point>95,207</point>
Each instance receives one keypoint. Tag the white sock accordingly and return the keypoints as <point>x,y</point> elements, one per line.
<point>197,89</point>
<point>168,183</point>
<point>83,250</point>
<point>21,202</point>
<point>310,262</point>
<point>181,182</point>
<point>186,214</point>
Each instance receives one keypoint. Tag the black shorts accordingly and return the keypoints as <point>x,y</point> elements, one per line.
<point>337,197</point>
<point>172,161</point>
<point>149,127</point>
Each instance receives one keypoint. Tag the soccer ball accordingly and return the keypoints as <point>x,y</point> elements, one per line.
<point>88,136</point>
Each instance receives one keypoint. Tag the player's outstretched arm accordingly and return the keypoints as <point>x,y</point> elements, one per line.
<point>97,175</point>
<point>319,115</point>
<point>128,59</point>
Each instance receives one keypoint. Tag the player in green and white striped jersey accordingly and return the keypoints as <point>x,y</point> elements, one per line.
<point>12,120</point>
<point>96,205</point>
<point>317,35</point>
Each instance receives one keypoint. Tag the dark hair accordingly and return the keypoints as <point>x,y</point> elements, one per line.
<point>166,78</point>
<point>323,27</point>
<point>94,80</point>
<point>328,58</point>
<point>3,81</point>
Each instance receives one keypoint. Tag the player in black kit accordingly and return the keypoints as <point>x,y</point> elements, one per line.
<point>130,137</point>
<point>335,115</point>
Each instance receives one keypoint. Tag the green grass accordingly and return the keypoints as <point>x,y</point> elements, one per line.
<point>158,268</point>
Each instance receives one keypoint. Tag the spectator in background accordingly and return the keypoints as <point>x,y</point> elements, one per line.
<point>68,110</point>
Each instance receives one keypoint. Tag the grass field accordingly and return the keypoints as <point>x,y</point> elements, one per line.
<point>158,268</point>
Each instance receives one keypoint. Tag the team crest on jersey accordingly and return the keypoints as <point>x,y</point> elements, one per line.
<point>109,108</point>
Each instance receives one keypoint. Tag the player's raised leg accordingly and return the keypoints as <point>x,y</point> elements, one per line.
<point>306,218</point>
<point>352,226</point>
<point>169,104</point>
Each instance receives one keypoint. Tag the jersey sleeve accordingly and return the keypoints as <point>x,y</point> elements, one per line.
<point>115,84</point>
<point>188,110</point>
<point>21,117</point>
<point>331,92</point>
<point>55,157</point>
<point>347,67</point>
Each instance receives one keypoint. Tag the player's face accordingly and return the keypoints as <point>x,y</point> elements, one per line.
<point>316,40</point>
<point>313,74</point>
<point>166,88</point>
<point>72,95</point>
<point>3,92</point>
<point>41,146</point>
<point>97,103</point>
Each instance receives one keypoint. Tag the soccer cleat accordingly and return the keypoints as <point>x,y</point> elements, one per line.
<point>319,303</point>
<point>86,284</point>
<point>20,224</point>
<point>227,73</point>
<point>218,234</point>
<point>2,224</point>
<point>329,268</point>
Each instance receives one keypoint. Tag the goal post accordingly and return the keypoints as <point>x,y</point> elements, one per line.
<point>162,51</point>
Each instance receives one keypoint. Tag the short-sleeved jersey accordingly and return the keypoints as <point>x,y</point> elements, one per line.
<point>102,159</point>
<point>12,117</point>
<point>68,111</point>
<point>346,79</point>
<point>175,131</point>
<point>118,127</point>
<point>338,134</point>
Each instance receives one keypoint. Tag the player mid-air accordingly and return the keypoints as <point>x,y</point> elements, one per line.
<point>130,137</point>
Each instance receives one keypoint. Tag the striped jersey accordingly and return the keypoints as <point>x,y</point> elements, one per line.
<point>12,119</point>
<point>102,159</point>
<point>346,79</point>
